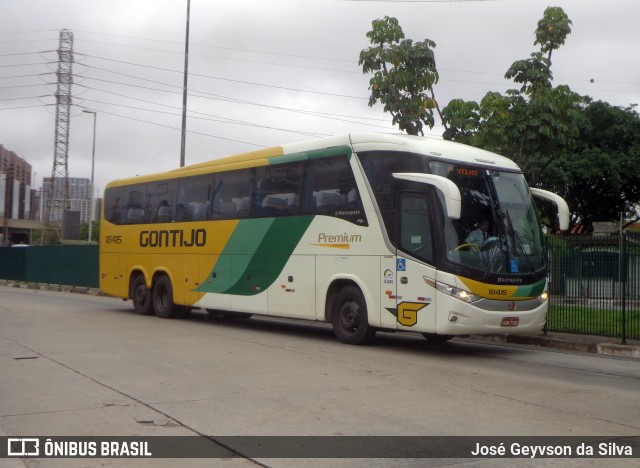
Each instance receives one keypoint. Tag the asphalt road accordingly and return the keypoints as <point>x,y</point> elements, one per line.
<point>83,365</point>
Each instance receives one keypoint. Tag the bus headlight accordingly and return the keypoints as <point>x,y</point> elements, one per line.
<point>544,296</point>
<point>452,291</point>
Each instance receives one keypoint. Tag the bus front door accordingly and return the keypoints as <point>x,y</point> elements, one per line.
<point>415,297</point>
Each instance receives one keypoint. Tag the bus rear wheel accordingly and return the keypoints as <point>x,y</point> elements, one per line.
<point>163,298</point>
<point>349,317</point>
<point>141,296</point>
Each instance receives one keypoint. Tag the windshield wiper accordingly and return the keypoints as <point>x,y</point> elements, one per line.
<point>517,239</point>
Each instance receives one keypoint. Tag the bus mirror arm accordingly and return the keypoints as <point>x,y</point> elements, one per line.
<point>563,208</point>
<point>449,190</point>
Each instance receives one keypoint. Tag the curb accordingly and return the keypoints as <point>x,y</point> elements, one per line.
<point>577,343</point>
<point>52,287</point>
<point>611,349</point>
<point>552,342</point>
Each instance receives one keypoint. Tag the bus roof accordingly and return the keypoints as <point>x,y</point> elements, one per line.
<point>358,141</point>
<point>410,143</point>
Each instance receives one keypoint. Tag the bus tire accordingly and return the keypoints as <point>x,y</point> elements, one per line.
<point>141,296</point>
<point>349,317</point>
<point>163,298</point>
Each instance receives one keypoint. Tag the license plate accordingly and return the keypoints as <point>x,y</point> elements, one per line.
<point>510,321</point>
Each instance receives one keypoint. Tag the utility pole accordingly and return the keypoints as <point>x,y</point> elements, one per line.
<point>58,191</point>
<point>183,136</point>
<point>93,162</point>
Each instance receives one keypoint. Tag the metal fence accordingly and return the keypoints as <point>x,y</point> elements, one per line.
<point>70,265</point>
<point>595,285</point>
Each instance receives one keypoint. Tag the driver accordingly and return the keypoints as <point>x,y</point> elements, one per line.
<point>480,234</point>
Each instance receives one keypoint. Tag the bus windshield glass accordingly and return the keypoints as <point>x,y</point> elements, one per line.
<point>498,231</point>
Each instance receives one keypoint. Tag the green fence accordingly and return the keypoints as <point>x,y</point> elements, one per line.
<point>71,265</point>
<point>595,285</point>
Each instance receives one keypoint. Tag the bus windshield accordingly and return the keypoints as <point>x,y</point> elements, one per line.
<point>498,231</point>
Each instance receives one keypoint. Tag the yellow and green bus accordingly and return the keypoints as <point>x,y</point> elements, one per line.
<point>365,231</point>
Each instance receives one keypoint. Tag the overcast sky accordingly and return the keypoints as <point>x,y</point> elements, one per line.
<point>267,72</point>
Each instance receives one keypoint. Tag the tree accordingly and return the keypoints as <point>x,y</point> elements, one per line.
<point>598,176</point>
<point>95,231</point>
<point>52,237</point>
<point>552,31</point>
<point>533,124</point>
<point>404,74</point>
<point>586,151</point>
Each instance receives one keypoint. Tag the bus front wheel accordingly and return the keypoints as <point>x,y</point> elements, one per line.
<point>141,296</point>
<point>349,317</point>
<point>163,298</point>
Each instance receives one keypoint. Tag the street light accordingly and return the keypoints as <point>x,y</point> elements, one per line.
<point>93,160</point>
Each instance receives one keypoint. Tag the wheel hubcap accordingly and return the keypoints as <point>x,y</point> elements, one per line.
<point>350,315</point>
<point>164,298</point>
<point>141,295</point>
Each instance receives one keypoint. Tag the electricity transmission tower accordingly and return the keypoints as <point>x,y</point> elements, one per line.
<point>58,190</point>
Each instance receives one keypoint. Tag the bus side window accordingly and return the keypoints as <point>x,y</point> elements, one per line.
<point>164,213</point>
<point>278,189</point>
<point>327,201</point>
<point>193,198</point>
<point>243,207</point>
<point>162,197</point>
<point>134,207</point>
<point>231,192</point>
<point>113,204</point>
<point>331,190</point>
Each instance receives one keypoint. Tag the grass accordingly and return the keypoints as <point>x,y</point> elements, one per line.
<point>585,319</point>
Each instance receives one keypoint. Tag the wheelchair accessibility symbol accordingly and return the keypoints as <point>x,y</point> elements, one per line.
<point>401,264</point>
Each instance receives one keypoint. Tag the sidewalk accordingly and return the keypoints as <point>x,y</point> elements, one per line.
<point>556,340</point>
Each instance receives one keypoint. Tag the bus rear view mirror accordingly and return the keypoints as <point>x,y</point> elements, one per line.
<point>450,190</point>
<point>563,208</point>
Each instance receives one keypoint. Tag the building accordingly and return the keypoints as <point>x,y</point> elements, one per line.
<point>79,198</point>
<point>16,199</point>
<point>23,209</point>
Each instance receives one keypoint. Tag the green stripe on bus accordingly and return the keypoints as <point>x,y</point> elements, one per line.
<point>272,255</point>
<point>255,255</point>
<point>247,236</point>
<point>530,290</point>
<point>288,158</point>
<point>314,154</point>
<point>237,254</point>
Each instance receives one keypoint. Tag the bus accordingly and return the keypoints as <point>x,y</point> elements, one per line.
<point>365,231</point>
